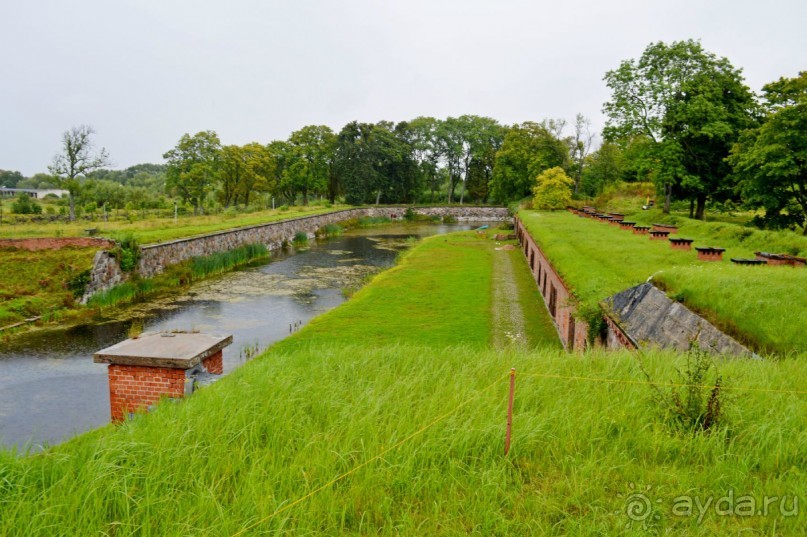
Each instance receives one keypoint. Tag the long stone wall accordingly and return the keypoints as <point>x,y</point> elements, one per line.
<point>155,257</point>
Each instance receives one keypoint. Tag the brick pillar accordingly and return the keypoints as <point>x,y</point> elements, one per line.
<point>133,388</point>
<point>145,369</point>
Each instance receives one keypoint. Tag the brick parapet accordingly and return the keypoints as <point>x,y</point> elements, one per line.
<point>559,301</point>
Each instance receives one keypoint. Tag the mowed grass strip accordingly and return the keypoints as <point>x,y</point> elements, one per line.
<point>292,420</point>
<point>437,295</point>
<point>763,306</point>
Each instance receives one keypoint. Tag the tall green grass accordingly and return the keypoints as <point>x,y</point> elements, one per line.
<point>226,261</point>
<point>288,423</point>
<point>743,239</point>
<point>598,260</point>
<point>35,283</point>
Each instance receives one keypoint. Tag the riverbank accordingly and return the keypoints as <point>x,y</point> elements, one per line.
<point>394,430</point>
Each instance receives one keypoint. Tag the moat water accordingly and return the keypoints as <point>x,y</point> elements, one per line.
<point>50,389</point>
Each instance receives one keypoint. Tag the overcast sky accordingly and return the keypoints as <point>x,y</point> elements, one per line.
<point>145,72</point>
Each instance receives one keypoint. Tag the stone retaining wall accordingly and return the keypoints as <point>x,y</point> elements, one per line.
<point>155,257</point>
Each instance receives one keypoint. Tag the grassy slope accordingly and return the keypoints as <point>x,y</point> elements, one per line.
<point>764,306</point>
<point>33,283</point>
<point>21,293</point>
<point>311,409</point>
<point>153,230</point>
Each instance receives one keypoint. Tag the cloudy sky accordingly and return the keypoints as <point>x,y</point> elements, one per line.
<point>145,72</point>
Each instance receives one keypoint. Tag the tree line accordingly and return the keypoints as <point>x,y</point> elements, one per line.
<point>683,118</point>
<point>679,116</point>
<point>457,160</point>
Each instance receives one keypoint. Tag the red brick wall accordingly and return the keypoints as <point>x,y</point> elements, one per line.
<point>134,388</point>
<point>214,364</point>
<point>49,243</point>
<point>573,332</point>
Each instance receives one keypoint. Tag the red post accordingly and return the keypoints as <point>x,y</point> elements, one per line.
<point>510,411</point>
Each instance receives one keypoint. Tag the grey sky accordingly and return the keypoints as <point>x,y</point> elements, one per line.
<point>145,72</point>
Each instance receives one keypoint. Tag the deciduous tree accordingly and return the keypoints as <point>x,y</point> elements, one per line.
<point>77,158</point>
<point>772,159</point>
<point>553,189</point>
<point>194,167</point>
<point>691,105</point>
<point>527,150</point>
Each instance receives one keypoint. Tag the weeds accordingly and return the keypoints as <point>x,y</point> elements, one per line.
<point>300,238</point>
<point>695,404</point>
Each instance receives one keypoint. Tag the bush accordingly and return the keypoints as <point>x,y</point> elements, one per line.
<point>409,215</point>
<point>696,404</point>
<point>553,190</point>
<point>78,283</point>
<point>127,252</point>
<point>25,204</point>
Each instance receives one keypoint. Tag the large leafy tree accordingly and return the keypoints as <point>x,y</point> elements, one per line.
<point>604,167</point>
<point>194,167</point>
<point>426,152</point>
<point>376,162</point>
<point>77,158</point>
<point>771,160</point>
<point>527,150</point>
<point>482,138</point>
<point>553,189</point>
<point>312,152</point>
<point>691,105</point>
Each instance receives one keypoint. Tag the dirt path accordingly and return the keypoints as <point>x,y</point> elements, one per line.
<point>508,316</point>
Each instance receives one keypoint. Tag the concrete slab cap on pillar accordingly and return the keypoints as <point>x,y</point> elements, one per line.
<point>167,349</point>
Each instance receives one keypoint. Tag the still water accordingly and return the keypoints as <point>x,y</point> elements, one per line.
<point>50,389</point>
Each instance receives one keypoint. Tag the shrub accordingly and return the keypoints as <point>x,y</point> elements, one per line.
<point>78,283</point>
<point>24,204</point>
<point>301,237</point>
<point>409,215</point>
<point>553,189</point>
<point>127,252</point>
<point>695,404</point>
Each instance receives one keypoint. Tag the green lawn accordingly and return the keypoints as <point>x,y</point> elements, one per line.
<point>763,306</point>
<point>439,294</point>
<point>398,429</point>
<point>151,230</point>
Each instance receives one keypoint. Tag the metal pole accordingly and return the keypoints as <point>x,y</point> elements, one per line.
<point>510,411</point>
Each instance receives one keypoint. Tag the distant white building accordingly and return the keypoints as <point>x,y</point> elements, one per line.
<point>35,193</point>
